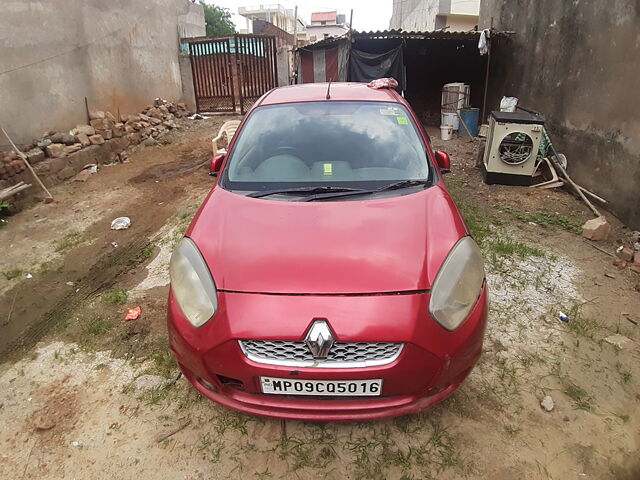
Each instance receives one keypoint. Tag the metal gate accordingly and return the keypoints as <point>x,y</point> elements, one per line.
<point>231,73</point>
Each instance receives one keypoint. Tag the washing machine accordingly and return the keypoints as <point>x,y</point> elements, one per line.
<point>511,151</point>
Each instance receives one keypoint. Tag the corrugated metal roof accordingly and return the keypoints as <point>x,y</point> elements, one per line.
<point>386,34</point>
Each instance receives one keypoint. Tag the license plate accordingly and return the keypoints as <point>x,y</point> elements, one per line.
<point>330,388</point>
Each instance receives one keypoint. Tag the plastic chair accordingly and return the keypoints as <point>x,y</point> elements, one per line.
<point>226,133</point>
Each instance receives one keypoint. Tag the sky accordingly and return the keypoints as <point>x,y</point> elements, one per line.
<point>367,14</point>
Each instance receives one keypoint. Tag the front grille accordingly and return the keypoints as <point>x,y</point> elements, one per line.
<point>341,355</point>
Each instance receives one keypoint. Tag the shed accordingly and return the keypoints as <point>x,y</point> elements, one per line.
<point>428,61</point>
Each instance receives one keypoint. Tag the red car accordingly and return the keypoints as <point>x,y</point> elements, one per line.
<point>328,275</point>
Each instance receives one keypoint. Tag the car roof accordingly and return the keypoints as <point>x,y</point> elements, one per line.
<point>314,92</point>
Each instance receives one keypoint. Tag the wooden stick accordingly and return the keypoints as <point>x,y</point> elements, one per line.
<point>24,158</point>
<point>11,191</point>
<point>592,195</point>
<point>173,432</point>
<point>465,126</point>
<point>601,249</point>
<point>556,161</point>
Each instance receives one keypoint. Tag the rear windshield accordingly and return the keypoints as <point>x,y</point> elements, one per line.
<point>359,144</point>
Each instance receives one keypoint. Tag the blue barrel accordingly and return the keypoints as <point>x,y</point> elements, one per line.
<point>470,117</point>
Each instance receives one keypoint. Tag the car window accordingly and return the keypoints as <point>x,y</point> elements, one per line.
<point>360,144</point>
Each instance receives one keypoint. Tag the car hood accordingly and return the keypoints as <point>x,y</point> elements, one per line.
<point>385,245</point>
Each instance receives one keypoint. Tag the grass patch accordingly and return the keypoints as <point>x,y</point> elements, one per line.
<point>97,325</point>
<point>507,247</point>
<point>117,296</point>
<point>579,324</point>
<point>147,253</point>
<point>70,240</point>
<point>11,274</point>
<point>512,431</point>
<point>164,363</point>
<point>625,375</point>
<point>551,219</point>
<point>581,399</point>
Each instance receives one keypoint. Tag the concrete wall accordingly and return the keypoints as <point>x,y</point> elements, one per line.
<point>414,15</point>
<point>578,63</point>
<point>120,55</point>
<point>420,15</point>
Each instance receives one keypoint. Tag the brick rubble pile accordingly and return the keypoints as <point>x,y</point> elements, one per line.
<point>103,128</point>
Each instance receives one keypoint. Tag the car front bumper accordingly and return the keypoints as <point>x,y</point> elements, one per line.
<point>432,364</point>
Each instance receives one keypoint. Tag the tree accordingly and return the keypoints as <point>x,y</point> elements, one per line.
<point>217,20</point>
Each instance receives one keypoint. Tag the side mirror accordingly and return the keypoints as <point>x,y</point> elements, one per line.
<point>444,162</point>
<point>216,164</point>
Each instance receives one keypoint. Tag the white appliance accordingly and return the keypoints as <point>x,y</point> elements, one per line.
<point>511,152</point>
<point>454,97</point>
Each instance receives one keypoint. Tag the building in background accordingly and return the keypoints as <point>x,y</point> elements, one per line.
<point>428,15</point>
<point>326,24</point>
<point>276,14</point>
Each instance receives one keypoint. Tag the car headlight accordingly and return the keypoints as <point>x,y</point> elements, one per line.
<point>192,283</point>
<point>457,285</point>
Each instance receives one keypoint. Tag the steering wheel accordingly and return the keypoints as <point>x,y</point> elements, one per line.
<point>286,150</point>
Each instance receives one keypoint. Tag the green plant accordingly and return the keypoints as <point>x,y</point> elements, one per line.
<point>117,296</point>
<point>11,274</point>
<point>70,240</point>
<point>97,325</point>
<point>581,399</point>
<point>217,20</point>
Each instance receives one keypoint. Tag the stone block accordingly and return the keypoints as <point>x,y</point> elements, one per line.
<point>88,130</point>
<point>57,164</point>
<point>69,149</point>
<point>625,253</point>
<point>55,150</point>
<point>35,155</point>
<point>106,134</point>
<point>118,130</point>
<point>66,173</point>
<point>96,115</point>
<point>83,139</point>
<point>96,139</point>
<point>596,229</point>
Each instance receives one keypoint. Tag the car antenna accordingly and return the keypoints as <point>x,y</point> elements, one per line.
<point>328,90</point>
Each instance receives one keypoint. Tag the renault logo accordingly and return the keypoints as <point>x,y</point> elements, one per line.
<point>319,339</point>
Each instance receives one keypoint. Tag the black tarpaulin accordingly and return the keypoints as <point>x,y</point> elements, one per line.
<point>364,67</point>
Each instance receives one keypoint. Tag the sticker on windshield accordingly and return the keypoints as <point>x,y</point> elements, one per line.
<point>402,120</point>
<point>390,111</point>
<point>328,169</point>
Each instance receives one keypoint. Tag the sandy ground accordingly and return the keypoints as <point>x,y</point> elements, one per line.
<point>84,394</point>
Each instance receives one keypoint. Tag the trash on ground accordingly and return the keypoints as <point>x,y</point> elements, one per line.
<point>619,341</point>
<point>114,244</point>
<point>76,444</point>
<point>547,404</point>
<point>28,275</point>
<point>133,313</point>
<point>195,116</point>
<point>563,317</point>
<point>70,284</point>
<point>121,223</point>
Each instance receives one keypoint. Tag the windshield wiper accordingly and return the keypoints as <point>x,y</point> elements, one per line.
<point>390,186</point>
<point>305,191</point>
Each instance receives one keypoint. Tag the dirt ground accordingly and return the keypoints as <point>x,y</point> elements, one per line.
<point>84,394</point>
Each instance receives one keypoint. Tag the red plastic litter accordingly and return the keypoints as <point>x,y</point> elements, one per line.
<point>383,83</point>
<point>133,313</point>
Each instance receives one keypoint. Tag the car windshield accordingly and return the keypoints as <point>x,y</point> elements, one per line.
<point>326,146</point>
